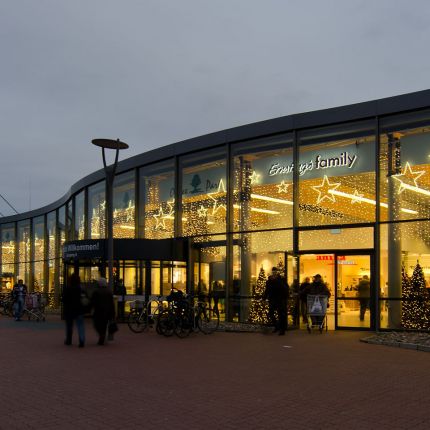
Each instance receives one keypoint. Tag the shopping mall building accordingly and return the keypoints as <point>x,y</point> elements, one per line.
<point>343,192</point>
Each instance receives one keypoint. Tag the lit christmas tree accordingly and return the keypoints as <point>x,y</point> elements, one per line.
<point>415,309</point>
<point>281,267</point>
<point>259,307</point>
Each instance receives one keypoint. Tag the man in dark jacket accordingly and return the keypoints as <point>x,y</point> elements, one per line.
<point>304,286</point>
<point>318,288</point>
<point>364,295</point>
<point>104,311</point>
<point>73,309</point>
<point>277,293</point>
<point>19,293</point>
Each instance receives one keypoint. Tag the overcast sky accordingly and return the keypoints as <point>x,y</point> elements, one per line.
<point>157,72</point>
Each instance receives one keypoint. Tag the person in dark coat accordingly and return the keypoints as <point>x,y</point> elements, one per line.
<point>364,295</point>
<point>104,311</point>
<point>302,295</point>
<point>19,293</point>
<point>317,288</point>
<point>73,309</point>
<point>276,293</point>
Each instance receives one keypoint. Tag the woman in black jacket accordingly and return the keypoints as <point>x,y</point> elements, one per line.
<point>104,310</point>
<point>73,309</point>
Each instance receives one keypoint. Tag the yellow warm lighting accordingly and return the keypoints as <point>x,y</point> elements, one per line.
<point>264,211</point>
<point>271,199</point>
<point>128,227</point>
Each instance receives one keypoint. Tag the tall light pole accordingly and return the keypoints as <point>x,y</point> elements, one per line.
<point>110,175</point>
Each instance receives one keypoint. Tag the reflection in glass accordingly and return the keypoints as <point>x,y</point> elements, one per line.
<point>80,216</point>
<point>204,193</point>
<point>8,254</point>
<point>24,251</point>
<point>337,175</point>
<point>97,211</point>
<point>39,254</point>
<point>124,205</point>
<point>157,185</point>
<point>263,184</point>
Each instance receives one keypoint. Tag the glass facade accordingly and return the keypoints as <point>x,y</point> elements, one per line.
<point>349,201</point>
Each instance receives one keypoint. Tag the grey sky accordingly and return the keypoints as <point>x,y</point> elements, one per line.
<point>157,72</point>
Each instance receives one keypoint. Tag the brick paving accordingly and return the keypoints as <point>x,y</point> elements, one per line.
<point>221,381</point>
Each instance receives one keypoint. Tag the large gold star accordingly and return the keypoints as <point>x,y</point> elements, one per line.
<point>408,178</point>
<point>324,189</point>
<point>160,219</point>
<point>217,205</point>
<point>283,187</point>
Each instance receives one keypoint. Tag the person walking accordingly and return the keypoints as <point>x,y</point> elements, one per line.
<point>104,311</point>
<point>364,295</point>
<point>19,293</point>
<point>276,292</point>
<point>73,309</point>
<point>317,288</point>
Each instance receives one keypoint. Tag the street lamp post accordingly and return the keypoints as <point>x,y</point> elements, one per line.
<point>110,175</point>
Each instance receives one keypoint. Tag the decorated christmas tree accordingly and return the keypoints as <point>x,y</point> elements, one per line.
<point>415,308</point>
<point>259,307</point>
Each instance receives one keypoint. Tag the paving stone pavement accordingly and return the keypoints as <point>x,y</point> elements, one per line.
<point>220,381</point>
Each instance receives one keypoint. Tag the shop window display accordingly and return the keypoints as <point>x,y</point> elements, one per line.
<point>124,206</point>
<point>337,175</point>
<point>157,188</point>
<point>38,254</point>
<point>24,251</point>
<point>7,256</point>
<point>52,243</point>
<point>80,216</point>
<point>97,211</point>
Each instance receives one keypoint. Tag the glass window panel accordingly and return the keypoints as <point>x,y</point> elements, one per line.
<point>8,251</point>
<point>157,188</point>
<point>80,216</point>
<point>39,254</point>
<point>24,251</point>
<point>69,220</point>
<point>124,205</point>
<point>337,175</point>
<point>405,167</point>
<point>405,275</point>
<point>336,238</point>
<point>52,243</point>
<point>204,193</point>
<point>263,184</point>
<point>97,211</point>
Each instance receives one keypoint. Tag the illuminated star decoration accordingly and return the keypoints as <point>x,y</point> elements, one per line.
<point>129,211</point>
<point>115,214</point>
<point>255,177</point>
<point>160,219</point>
<point>217,205</point>
<point>356,197</point>
<point>324,190</point>
<point>283,187</point>
<point>202,211</point>
<point>408,178</point>
<point>171,205</point>
<point>103,205</point>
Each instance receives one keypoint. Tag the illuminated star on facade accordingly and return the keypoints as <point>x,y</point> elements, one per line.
<point>255,177</point>
<point>202,211</point>
<point>160,219</point>
<point>324,190</point>
<point>171,208</point>
<point>283,187</point>
<point>103,205</point>
<point>356,197</point>
<point>408,178</point>
<point>217,205</point>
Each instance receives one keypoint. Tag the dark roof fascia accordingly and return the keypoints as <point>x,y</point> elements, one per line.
<point>354,112</point>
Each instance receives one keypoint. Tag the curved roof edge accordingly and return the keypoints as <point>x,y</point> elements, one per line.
<point>353,112</point>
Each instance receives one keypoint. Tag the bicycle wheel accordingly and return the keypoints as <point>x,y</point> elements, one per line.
<point>208,320</point>
<point>165,323</point>
<point>137,321</point>
<point>183,324</point>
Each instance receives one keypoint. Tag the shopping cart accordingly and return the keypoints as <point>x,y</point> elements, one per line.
<point>35,307</point>
<point>316,312</point>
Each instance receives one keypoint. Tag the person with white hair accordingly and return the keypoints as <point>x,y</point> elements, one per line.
<point>104,310</point>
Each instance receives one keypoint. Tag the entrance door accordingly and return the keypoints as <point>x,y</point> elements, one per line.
<point>348,276</point>
<point>353,293</point>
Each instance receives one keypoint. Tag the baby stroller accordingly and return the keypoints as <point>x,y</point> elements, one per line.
<point>316,312</point>
<point>35,307</point>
